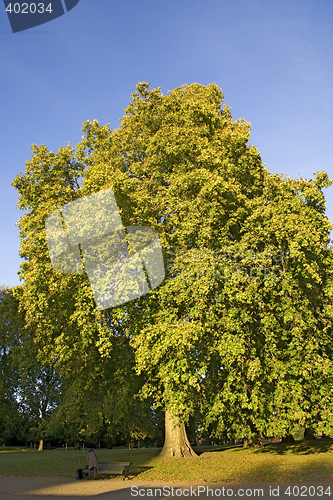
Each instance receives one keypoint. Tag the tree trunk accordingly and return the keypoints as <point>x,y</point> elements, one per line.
<point>254,442</point>
<point>308,434</point>
<point>41,442</point>
<point>41,432</point>
<point>288,439</point>
<point>176,443</point>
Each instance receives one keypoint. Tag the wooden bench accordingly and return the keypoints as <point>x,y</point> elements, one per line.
<point>110,468</point>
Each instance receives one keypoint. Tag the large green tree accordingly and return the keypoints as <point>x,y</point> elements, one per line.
<point>180,164</point>
<point>216,334</point>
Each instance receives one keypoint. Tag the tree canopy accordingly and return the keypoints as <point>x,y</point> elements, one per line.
<point>241,326</point>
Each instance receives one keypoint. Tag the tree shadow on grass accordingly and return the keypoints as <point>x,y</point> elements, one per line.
<point>309,472</point>
<point>278,462</point>
<point>299,448</point>
<point>210,449</point>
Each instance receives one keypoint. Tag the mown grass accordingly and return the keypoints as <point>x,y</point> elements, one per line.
<point>299,462</point>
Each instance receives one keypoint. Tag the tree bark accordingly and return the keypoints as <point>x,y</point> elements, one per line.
<point>254,442</point>
<point>41,432</point>
<point>41,441</point>
<point>288,439</point>
<point>176,443</point>
<point>308,434</point>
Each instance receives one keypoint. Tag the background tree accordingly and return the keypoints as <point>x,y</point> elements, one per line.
<point>30,389</point>
<point>38,392</point>
<point>101,403</point>
<point>10,325</point>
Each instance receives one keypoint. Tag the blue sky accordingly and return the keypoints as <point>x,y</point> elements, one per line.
<point>272,59</point>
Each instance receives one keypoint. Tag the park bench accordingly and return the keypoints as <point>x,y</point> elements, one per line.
<point>110,468</point>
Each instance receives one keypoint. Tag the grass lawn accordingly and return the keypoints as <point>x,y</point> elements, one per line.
<point>299,462</point>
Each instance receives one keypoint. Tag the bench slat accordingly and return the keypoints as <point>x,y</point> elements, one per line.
<point>111,468</point>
